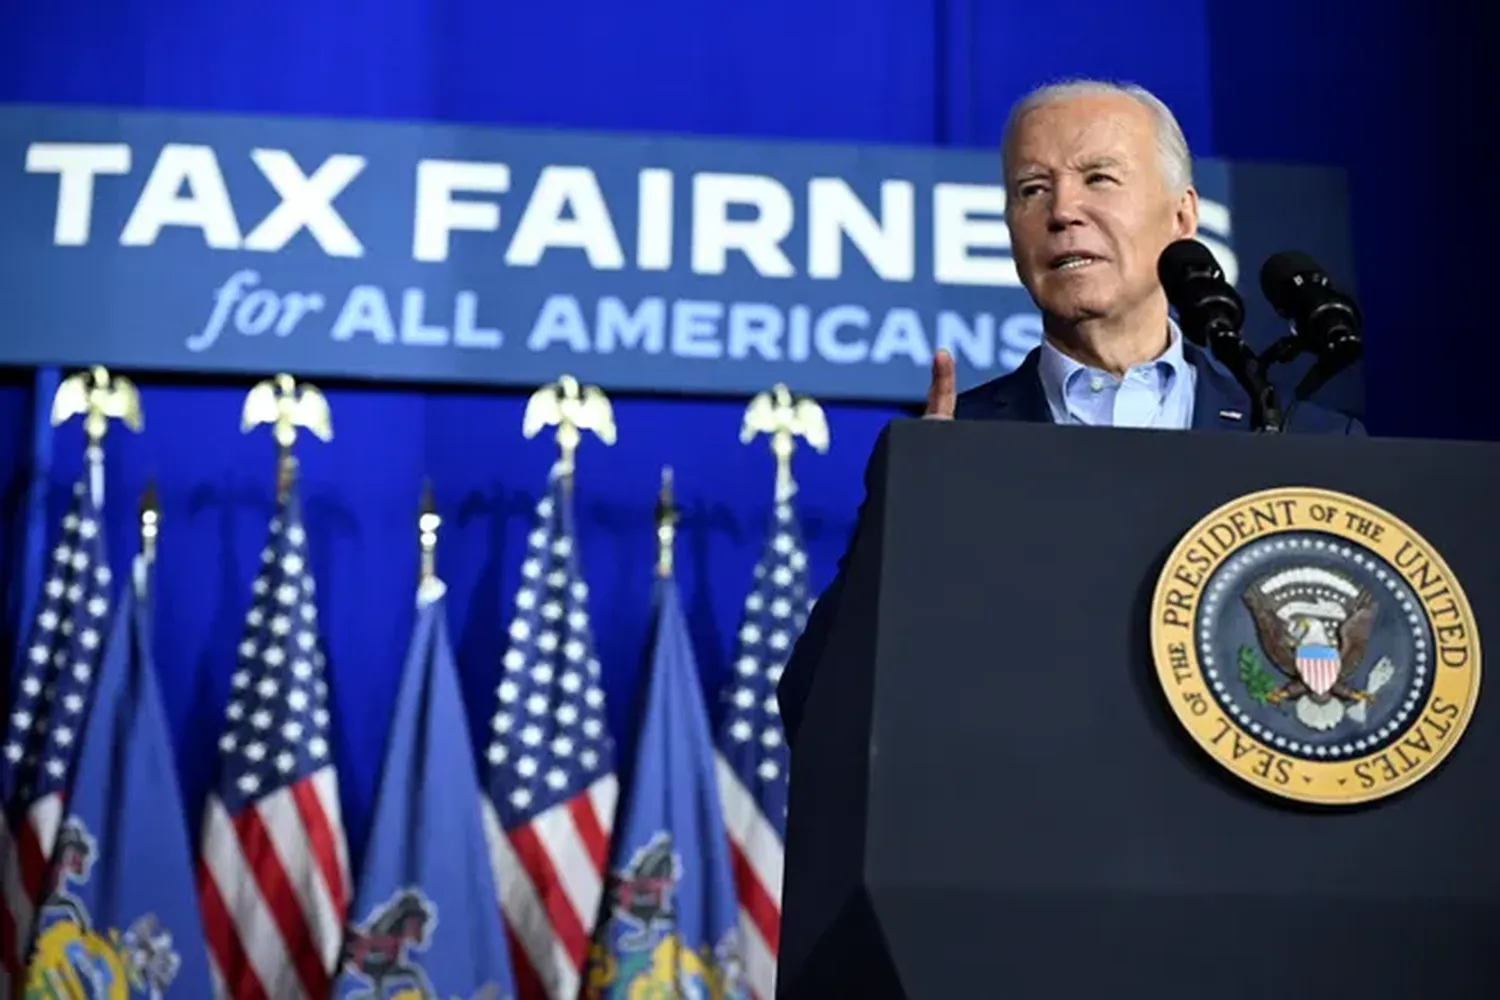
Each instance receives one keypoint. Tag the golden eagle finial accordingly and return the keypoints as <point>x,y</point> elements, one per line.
<point>572,409</point>
<point>98,396</point>
<point>277,401</point>
<point>785,418</point>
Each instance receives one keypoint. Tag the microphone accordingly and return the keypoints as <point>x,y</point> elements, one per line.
<point>1324,319</point>
<point>1211,313</point>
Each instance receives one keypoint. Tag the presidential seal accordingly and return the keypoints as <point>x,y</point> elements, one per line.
<point>1315,646</point>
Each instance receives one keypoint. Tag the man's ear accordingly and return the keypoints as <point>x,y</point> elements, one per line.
<point>1186,217</point>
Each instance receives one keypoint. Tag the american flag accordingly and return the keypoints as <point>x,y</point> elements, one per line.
<point>550,771</point>
<point>49,703</point>
<point>273,870</point>
<point>751,753</point>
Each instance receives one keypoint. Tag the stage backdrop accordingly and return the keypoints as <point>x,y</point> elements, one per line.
<point>441,254</point>
<point>1275,80</point>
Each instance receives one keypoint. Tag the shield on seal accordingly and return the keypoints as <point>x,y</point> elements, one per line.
<point>1318,666</point>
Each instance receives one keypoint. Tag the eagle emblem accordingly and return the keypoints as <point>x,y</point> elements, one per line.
<point>1313,625</point>
<point>641,894</point>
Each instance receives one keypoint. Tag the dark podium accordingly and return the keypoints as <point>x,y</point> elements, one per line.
<point>997,792</point>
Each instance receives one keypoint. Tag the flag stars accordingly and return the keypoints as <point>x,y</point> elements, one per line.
<point>553,741</point>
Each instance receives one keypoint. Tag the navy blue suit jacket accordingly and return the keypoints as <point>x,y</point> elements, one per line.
<point>1219,404</point>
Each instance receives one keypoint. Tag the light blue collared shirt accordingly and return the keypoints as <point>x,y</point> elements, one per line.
<point>1156,394</point>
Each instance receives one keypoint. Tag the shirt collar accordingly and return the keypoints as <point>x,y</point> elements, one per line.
<point>1057,369</point>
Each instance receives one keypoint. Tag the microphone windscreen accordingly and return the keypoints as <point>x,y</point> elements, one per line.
<point>1182,260</point>
<point>1277,274</point>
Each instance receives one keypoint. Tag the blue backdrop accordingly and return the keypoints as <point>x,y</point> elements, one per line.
<point>1342,83</point>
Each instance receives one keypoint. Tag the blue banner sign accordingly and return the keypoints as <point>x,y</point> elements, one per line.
<point>438,253</point>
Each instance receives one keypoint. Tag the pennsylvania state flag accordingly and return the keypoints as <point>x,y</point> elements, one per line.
<point>120,918</point>
<point>670,925</point>
<point>424,924</point>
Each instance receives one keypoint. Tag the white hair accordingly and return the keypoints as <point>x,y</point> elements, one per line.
<point>1176,160</point>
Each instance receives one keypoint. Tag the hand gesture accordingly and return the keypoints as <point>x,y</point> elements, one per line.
<point>941,396</point>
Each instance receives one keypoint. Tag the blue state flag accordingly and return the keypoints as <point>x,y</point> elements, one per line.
<point>425,922</point>
<point>671,920</point>
<point>120,917</point>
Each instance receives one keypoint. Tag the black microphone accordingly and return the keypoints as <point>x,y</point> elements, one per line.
<point>1323,318</point>
<point>1211,313</point>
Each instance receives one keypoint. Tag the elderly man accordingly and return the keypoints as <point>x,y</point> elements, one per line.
<point>1098,182</point>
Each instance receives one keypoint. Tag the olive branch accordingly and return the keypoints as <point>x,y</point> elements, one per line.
<point>1259,682</point>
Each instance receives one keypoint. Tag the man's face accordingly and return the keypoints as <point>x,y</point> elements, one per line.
<point>1088,208</point>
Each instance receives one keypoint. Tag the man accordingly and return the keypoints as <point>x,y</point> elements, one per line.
<point>1098,182</point>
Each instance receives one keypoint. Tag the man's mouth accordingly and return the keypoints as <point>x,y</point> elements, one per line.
<point>1072,261</point>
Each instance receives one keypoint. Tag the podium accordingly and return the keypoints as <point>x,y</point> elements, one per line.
<point>1133,713</point>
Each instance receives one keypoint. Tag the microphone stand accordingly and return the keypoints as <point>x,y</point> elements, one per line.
<point>1265,408</point>
<point>1250,372</point>
<point>1324,368</point>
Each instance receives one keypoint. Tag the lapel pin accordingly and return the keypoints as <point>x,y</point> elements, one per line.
<point>1231,415</point>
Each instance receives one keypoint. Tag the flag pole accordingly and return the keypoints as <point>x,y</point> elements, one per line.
<point>667,517</point>
<point>150,517</point>
<point>428,522</point>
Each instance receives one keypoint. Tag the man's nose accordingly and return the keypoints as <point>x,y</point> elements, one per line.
<point>1066,207</point>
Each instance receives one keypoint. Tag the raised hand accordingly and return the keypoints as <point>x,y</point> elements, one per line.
<point>941,395</point>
